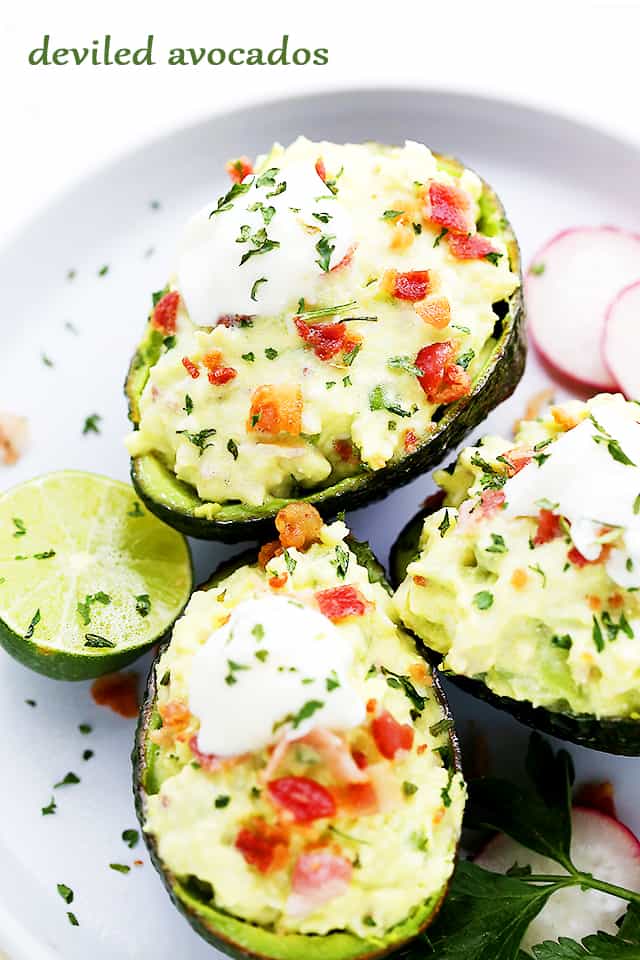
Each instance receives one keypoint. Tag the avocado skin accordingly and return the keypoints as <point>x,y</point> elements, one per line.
<point>176,502</point>
<point>240,938</point>
<point>616,735</point>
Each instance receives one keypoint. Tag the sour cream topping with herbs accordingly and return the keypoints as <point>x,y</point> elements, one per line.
<point>276,668</point>
<point>591,476</point>
<point>274,236</point>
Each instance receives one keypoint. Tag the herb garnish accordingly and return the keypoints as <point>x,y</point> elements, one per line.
<point>20,528</point>
<point>261,244</point>
<point>256,285</point>
<point>332,682</point>
<point>563,642</point>
<point>444,524</point>
<point>136,510</point>
<point>392,214</point>
<point>497,544</point>
<point>290,562</point>
<point>188,404</point>
<point>69,779</point>
<point>131,838</point>
<point>270,353</point>
<point>200,438</point>
<point>483,600</point>
<point>399,681</point>
<point>537,269</point>
<point>65,892</point>
<point>325,249</point>
<point>324,311</point>
<point>234,667</point>
<point>226,202</point>
<point>92,424</point>
<point>232,447</point>
<point>73,920</point>
<point>306,710</point>
<point>378,400</point>
<point>85,729</point>
<point>493,257</point>
<point>612,445</point>
<point>406,364</point>
<point>341,561</point>
<point>538,569</point>
<point>50,809</point>
<point>120,867</point>
<point>440,237</point>
<point>222,801</point>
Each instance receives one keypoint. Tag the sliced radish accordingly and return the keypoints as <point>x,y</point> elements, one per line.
<point>569,286</point>
<point>621,341</point>
<point>600,845</point>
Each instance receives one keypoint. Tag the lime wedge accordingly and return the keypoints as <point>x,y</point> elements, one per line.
<point>89,579</point>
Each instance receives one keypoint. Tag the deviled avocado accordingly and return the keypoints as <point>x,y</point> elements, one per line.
<point>526,578</point>
<point>296,775</point>
<point>338,319</point>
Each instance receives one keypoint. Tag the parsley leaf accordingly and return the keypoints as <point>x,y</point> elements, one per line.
<point>325,249</point>
<point>131,838</point>
<point>92,424</point>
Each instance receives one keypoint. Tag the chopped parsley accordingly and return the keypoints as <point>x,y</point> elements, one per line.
<point>256,285</point>
<point>188,404</point>
<point>398,681</point>
<point>348,358</point>
<point>636,504</point>
<point>48,362</point>
<point>483,600</point>
<point>258,632</point>
<point>378,400</point>
<point>497,544</point>
<point>492,478</point>
<point>306,710</point>
<point>537,269</point>
<point>65,892</point>
<point>232,447</point>
<point>493,257</point>
<point>222,800</point>
<point>322,217</point>
<point>50,808</point>
<point>200,438</point>
<point>409,788</point>
<point>87,754</point>
<point>406,364</point>
<point>261,655</point>
<point>69,779</point>
<point>20,528</point>
<point>392,214</point>
<point>598,639</point>
<point>85,728</point>
<point>325,249</point>
<point>442,726</point>
<point>260,244</point>
<point>612,445</point>
<point>563,642</point>
<point>303,314</point>
<point>73,920</point>
<point>270,353</point>
<point>538,569</point>
<point>92,424</point>
<point>226,202</point>
<point>341,562</point>
<point>234,668</point>
<point>332,682</point>
<point>289,561</point>
<point>131,838</point>
<point>249,357</point>
<point>444,524</point>
<point>119,867</point>
<point>465,359</point>
<point>103,271</point>
<point>97,642</point>
<point>440,237</point>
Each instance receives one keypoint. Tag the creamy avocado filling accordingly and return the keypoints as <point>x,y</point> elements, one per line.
<point>322,310</point>
<point>302,766</point>
<point>527,578</point>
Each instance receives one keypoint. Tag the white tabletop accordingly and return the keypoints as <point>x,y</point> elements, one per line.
<point>577,57</point>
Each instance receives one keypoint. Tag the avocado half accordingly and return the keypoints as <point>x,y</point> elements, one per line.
<point>178,504</point>
<point>234,936</point>
<point>618,735</point>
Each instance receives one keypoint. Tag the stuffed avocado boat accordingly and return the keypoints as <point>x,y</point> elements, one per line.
<point>526,577</point>
<point>296,773</point>
<point>341,317</point>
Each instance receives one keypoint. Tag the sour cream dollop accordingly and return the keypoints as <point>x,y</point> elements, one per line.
<point>275,669</point>
<point>276,226</point>
<point>588,480</point>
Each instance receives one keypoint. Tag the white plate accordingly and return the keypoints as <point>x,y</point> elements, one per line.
<point>550,173</point>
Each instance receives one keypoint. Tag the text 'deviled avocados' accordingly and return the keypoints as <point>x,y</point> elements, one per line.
<point>106,52</point>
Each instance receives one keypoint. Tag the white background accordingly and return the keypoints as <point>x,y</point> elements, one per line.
<point>577,57</point>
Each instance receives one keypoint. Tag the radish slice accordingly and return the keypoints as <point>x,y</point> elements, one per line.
<point>600,845</point>
<point>569,286</point>
<point>621,341</point>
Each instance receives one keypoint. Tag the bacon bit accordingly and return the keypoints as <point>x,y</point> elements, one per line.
<point>360,759</point>
<point>410,441</point>
<point>595,603</point>
<point>305,799</point>
<point>176,723</point>
<point>119,692</point>
<point>391,736</point>
<point>535,406</point>
<point>345,450</point>
<point>165,313</point>
<point>565,421</point>
<point>233,319</point>
<point>321,170</point>
<point>263,846</point>
<point>327,339</point>
<point>442,380</point>
<point>372,705</point>
<point>358,799</point>
<point>450,207</point>
<point>436,311</point>
<point>191,368</point>
<point>419,580</point>
<point>138,863</point>
<point>549,527</point>
<point>474,247</point>
<point>208,761</point>
<point>14,432</point>
<point>422,748</point>
<point>519,578</point>
<point>318,876</point>
<point>268,552</point>
<point>276,409</point>
<point>336,753</point>
<point>517,459</point>
<point>615,601</point>
<point>419,673</point>
<point>578,560</point>
<point>299,525</point>
<point>218,374</point>
<point>346,260</point>
<point>277,582</point>
<point>411,286</point>
<point>239,168</point>
<point>337,603</point>
<point>597,796</point>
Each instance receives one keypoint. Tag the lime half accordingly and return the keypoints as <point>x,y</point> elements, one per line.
<point>89,579</point>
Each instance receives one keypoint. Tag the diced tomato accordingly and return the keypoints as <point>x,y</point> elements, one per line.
<point>358,799</point>
<point>318,876</point>
<point>391,736</point>
<point>306,799</point>
<point>578,560</point>
<point>346,260</point>
<point>450,207</point>
<point>473,247</point>
<point>411,286</point>
<point>277,582</point>
<point>442,380</point>
<point>327,339</point>
<point>263,846</point>
<point>191,368</point>
<point>518,459</point>
<point>372,705</point>
<point>321,170</point>
<point>276,409</point>
<point>360,759</point>
<point>344,449</point>
<point>337,603</point>
<point>218,373</point>
<point>410,441</point>
<point>208,761</point>
<point>436,311</point>
<point>548,527</point>
<point>239,168</point>
<point>165,312</point>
